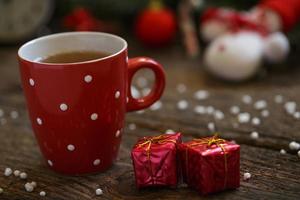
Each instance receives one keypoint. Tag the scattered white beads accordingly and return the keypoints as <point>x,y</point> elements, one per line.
<point>17,173</point>
<point>170,131</point>
<point>201,95</point>
<point>14,114</point>
<point>261,104</point>
<point>31,82</point>
<point>94,116</point>
<point>50,163</point>
<point>96,162</point>
<point>255,121</point>
<point>282,151</point>
<point>88,78</point>
<point>254,135</point>
<point>39,121</point>
<point>117,94</point>
<point>211,127</point>
<point>290,107</point>
<point>71,147</point>
<point>156,106</point>
<point>63,106</point>
<point>294,145</point>
<point>23,175</point>
<point>1,190</point>
<point>200,110</point>
<point>181,88</point>
<point>247,176</point>
<point>244,118</point>
<point>118,133</point>
<point>132,126</point>
<point>265,113</point>
<point>28,187</point>
<point>42,193</point>
<point>278,99</point>
<point>234,110</point>
<point>8,171</point>
<point>219,115</point>
<point>247,99</point>
<point>182,105</point>
<point>99,192</point>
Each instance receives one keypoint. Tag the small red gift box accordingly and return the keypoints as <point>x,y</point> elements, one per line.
<point>210,164</point>
<point>155,160</point>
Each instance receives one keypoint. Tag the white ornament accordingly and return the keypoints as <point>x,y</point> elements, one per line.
<point>50,163</point>
<point>28,187</point>
<point>117,94</point>
<point>31,82</point>
<point>96,162</point>
<point>39,121</point>
<point>94,116</point>
<point>99,192</point>
<point>71,147</point>
<point>254,135</point>
<point>244,118</point>
<point>63,107</point>
<point>42,193</point>
<point>234,110</point>
<point>182,105</point>
<point>276,47</point>
<point>247,99</point>
<point>247,176</point>
<point>23,175</point>
<point>17,173</point>
<point>255,121</point>
<point>259,105</point>
<point>235,56</point>
<point>201,94</point>
<point>8,171</point>
<point>88,78</point>
<point>282,151</point>
<point>294,146</point>
<point>211,127</point>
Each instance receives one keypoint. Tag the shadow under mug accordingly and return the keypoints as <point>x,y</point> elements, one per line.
<point>77,110</point>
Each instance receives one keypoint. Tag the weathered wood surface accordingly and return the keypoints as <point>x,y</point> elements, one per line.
<point>274,176</point>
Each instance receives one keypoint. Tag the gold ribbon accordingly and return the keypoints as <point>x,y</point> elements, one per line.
<point>209,142</point>
<point>148,141</point>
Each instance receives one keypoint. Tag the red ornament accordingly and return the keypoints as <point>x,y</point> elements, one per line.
<point>155,160</point>
<point>210,164</point>
<point>156,26</point>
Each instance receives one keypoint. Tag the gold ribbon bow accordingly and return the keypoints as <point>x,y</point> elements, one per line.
<point>214,140</point>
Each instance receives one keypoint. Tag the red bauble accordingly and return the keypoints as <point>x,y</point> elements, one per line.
<point>156,27</point>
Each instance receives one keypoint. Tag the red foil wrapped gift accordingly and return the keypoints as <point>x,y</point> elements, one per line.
<point>155,160</point>
<point>210,164</point>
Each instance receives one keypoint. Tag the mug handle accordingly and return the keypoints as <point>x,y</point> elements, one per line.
<point>135,64</point>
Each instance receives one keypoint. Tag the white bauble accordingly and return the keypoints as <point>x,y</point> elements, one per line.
<point>212,29</point>
<point>235,56</point>
<point>276,47</point>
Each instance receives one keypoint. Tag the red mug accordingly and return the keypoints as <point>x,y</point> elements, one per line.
<point>77,110</point>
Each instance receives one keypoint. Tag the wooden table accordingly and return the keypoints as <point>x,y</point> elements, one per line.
<point>274,176</point>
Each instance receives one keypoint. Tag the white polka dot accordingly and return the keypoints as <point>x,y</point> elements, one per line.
<point>127,99</point>
<point>96,162</point>
<point>71,147</point>
<point>94,116</point>
<point>50,162</point>
<point>31,82</point>
<point>63,106</point>
<point>88,78</point>
<point>39,121</point>
<point>118,133</point>
<point>117,94</point>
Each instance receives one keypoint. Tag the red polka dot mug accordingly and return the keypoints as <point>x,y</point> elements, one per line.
<point>77,109</point>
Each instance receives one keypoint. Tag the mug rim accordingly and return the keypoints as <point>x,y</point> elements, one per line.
<point>56,35</point>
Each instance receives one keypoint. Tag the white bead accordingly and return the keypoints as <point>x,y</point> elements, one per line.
<point>170,131</point>
<point>28,187</point>
<point>282,151</point>
<point>23,175</point>
<point>200,110</point>
<point>278,98</point>
<point>234,110</point>
<point>297,115</point>
<point>255,121</point>
<point>211,127</point>
<point>17,173</point>
<point>265,113</point>
<point>118,133</point>
<point>96,162</point>
<point>210,110</point>
<point>34,184</point>
<point>8,171</point>
<point>94,116</point>
<point>182,105</point>
<point>31,82</point>
<point>201,95</point>
<point>254,135</point>
<point>117,94</point>
<point>50,163</point>
<point>244,117</point>
<point>298,154</point>
<point>1,190</point>
<point>39,121</point>
<point>14,114</point>
<point>63,106</point>
<point>247,176</point>
<point>71,147</point>
<point>88,78</point>
<point>132,126</point>
<point>42,193</point>
<point>261,104</point>
<point>219,115</point>
<point>181,88</point>
<point>156,106</point>
<point>99,192</point>
<point>247,99</point>
<point>294,145</point>
<point>290,107</point>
